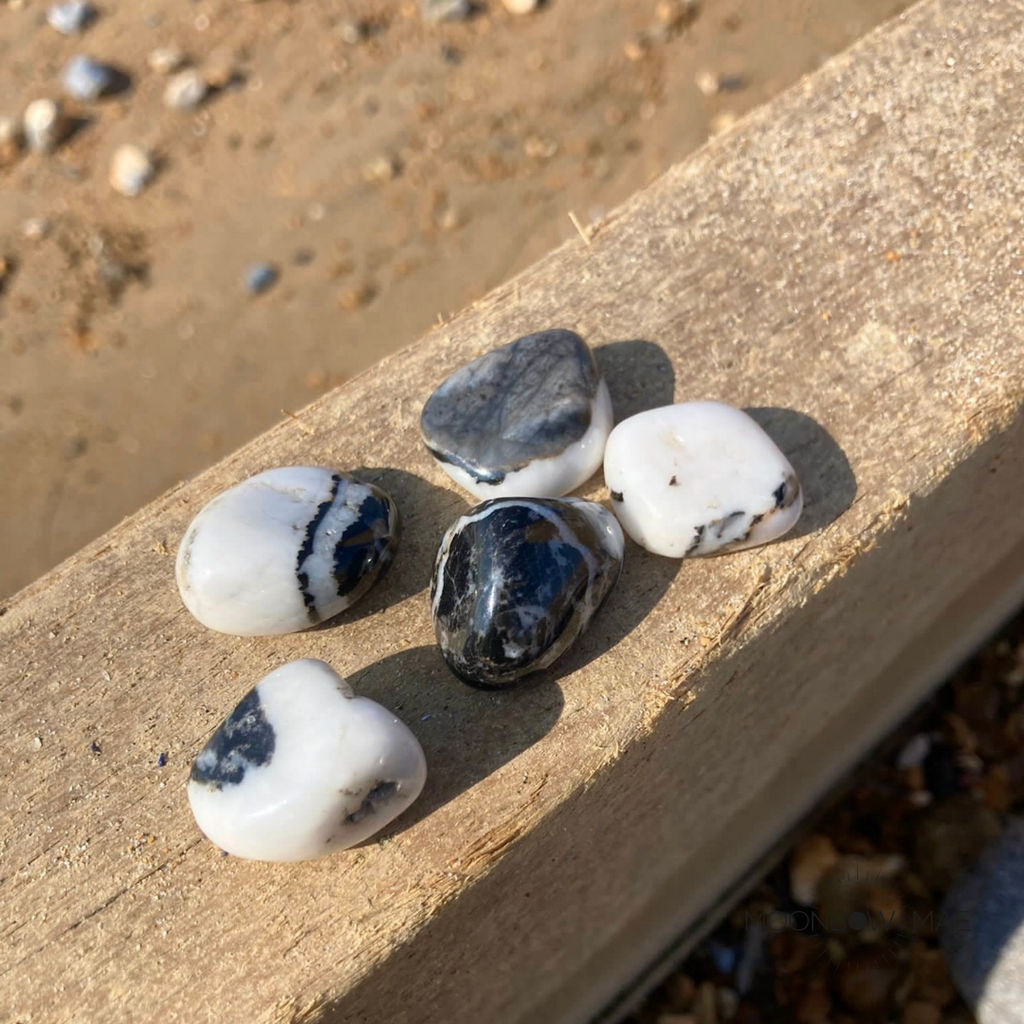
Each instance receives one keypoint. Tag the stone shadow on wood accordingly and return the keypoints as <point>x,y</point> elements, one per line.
<point>825,474</point>
<point>639,376</point>
<point>466,734</point>
<point>425,512</point>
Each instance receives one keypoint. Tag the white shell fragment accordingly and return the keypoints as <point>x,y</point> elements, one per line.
<point>285,550</point>
<point>302,767</point>
<point>699,478</point>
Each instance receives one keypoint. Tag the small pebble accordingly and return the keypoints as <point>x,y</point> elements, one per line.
<point>358,296</point>
<point>44,125</point>
<point>382,168</point>
<point>351,32</point>
<point>707,82</point>
<point>161,761</point>
<point>71,18</point>
<point>303,767</point>
<point>722,956</point>
<point>260,277</point>
<point>520,6</point>
<point>914,751</point>
<point>219,71</point>
<point>445,10</point>
<point>185,91</point>
<point>810,860</point>
<point>87,79</point>
<point>131,170</point>
<point>722,122</point>
<point>165,60</point>
<point>94,748</point>
<point>35,229</point>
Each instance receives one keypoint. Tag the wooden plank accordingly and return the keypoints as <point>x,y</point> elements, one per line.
<point>848,261</point>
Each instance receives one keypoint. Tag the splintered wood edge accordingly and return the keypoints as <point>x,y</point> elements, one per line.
<point>845,263</point>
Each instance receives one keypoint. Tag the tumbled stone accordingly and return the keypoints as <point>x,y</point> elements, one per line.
<point>285,550</point>
<point>699,478</point>
<point>302,767</point>
<point>516,583</point>
<point>529,419</point>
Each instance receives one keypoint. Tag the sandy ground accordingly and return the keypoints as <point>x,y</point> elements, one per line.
<point>392,170</point>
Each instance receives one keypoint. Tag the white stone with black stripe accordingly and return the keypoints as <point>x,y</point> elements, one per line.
<point>284,550</point>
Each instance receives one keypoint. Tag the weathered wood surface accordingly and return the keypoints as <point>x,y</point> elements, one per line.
<point>848,261</point>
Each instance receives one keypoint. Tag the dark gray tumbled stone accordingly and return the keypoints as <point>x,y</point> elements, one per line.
<point>530,418</point>
<point>517,581</point>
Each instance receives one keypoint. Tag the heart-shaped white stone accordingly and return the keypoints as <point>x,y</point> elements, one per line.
<point>699,478</point>
<point>302,767</point>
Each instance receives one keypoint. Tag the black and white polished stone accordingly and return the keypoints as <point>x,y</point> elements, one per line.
<point>528,419</point>
<point>517,581</point>
<point>285,550</point>
<point>302,767</point>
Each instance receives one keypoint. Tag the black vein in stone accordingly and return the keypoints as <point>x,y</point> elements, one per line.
<point>698,536</point>
<point>380,794</point>
<point>307,548</point>
<point>245,739</point>
<point>481,476</point>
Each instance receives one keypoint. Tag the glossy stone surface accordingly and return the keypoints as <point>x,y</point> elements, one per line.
<point>517,581</point>
<point>699,478</point>
<point>285,550</point>
<point>528,419</point>
<point>302,768</point>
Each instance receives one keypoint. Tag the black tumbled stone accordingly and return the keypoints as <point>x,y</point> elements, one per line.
<point>517,581</point>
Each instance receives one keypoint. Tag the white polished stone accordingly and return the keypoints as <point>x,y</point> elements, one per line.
<point>284,550</point>
<point>699,478</point>
<point>302,768</point>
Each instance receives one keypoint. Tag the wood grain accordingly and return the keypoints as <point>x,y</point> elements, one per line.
<point>847,263</point>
